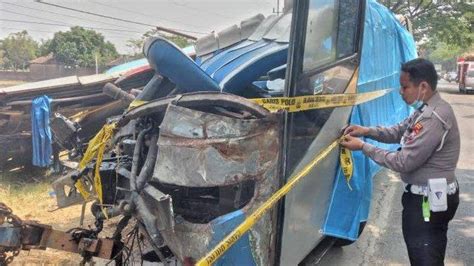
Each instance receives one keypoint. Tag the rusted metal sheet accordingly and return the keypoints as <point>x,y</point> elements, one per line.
<point>102,248</point>
<point>16,234</point>
<point>35,235</point>
<point>199,149</point>
<point>69,95</point>
<point>32,235</point>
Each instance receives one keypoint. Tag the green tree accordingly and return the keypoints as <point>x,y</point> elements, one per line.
<point>2,59</point>
<point>44,47</point>
<point>137,44</point>
<point>80,47</point>
<point>444,54</point>
<point>17,49</point>
<point>450,22</point>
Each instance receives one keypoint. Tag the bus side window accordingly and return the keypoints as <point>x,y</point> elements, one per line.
<point>347,32</point>
<point>330,32</point>
<point>320,34</point>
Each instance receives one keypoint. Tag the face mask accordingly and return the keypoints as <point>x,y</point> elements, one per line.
<point>417,103</point>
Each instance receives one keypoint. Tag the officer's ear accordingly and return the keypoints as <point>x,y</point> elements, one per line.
<point>424,86</point>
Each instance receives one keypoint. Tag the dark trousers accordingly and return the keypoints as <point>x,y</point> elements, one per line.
<point>426,241</point>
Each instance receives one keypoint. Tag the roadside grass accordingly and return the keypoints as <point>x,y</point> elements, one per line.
<point>26,192</point>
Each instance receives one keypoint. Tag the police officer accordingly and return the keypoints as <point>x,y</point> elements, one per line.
<point>429,152</point>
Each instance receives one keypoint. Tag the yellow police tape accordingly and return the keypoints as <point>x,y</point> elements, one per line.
<point>291,104</point>
<point>345,159</point>
<point>136,103</point>
<point>235,235</point>
<point>311,102</point>
<point>296,104</point>
<point>95,149</point>
<point>307,102</point>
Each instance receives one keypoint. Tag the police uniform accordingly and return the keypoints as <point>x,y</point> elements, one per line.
<point>430,146</point>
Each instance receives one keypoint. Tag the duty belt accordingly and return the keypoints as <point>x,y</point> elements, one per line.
<point>423,190</point>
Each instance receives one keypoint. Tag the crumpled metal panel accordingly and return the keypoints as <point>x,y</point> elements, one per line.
<point>198,149</point>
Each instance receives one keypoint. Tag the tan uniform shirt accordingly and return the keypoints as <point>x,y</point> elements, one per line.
<point>430,144</point>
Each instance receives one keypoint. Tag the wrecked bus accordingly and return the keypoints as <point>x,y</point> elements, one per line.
<point>194,156</point>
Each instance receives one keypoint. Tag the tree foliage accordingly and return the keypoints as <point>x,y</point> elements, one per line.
<point>443,51</point>
<point>444,54</point>
<point>80,47</point>
<point>16,50</point>
<point>450,22</point>
<point>43,48</point>
<point>137,44</point>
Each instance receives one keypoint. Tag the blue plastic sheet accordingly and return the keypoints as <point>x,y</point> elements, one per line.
<point>241,252</point>
<point>128,66</point>
<point>41,132</point>
<point>386,45</point>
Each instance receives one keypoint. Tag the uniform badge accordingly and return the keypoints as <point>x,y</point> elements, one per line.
<point>417,128</point>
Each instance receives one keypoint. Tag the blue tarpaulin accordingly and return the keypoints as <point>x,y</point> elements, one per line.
<point>40,131</point>
<point>241,252</point>
<point>386,45</point>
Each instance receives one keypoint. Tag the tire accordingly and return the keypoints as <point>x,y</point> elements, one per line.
<point>345,242</point>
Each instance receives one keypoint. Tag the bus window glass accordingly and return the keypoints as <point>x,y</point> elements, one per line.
<point>347,33</point>
<point>321,32</point>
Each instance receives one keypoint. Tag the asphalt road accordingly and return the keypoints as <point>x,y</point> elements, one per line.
<point>382,242</point>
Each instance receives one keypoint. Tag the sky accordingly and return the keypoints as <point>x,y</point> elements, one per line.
<point>194,17</point>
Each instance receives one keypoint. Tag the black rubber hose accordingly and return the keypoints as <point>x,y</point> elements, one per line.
<point>149,164</point>
<point>136,157</point>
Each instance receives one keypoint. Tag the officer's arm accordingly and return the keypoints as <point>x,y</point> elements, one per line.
<point>391,134</point>
<point>414,153</point>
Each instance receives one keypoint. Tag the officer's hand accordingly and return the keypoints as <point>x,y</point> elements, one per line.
<point>352,143</point>
<point>356,131</point>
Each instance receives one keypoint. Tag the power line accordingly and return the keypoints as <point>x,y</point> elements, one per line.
<point>109,35</point>
<point>26,15</point>
<point>65,15</point>
<point>9,28</point>
<point>64,25</point>
<point>142,14</point>
<point>118,19</point>
<point>202,10</point>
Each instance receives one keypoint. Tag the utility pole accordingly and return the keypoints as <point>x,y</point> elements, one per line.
<point>96,64</point>
<point>277,8</point>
